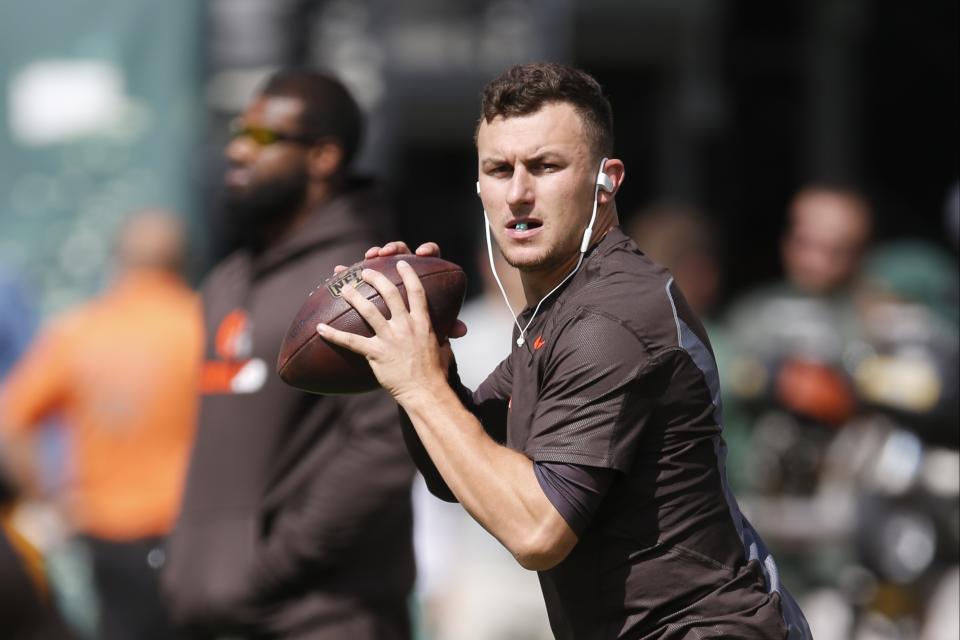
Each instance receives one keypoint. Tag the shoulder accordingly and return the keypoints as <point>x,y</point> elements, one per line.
<point>620,268</point>
<point>75,322</point>
<point>626,288</point>
<point>55,337</point>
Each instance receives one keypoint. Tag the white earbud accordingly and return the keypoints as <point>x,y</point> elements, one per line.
<point>604,181</point>
<point>478,187</point>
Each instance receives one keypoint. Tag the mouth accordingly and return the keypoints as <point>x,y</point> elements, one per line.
<point>520,228</point>
<point>236,177</point>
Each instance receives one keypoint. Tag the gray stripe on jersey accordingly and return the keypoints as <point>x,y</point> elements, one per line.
<point>752,543</point>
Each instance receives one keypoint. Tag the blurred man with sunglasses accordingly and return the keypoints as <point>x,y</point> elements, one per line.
<point>296,520</point>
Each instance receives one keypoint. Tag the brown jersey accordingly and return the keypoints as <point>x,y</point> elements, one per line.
<point>617,373</point>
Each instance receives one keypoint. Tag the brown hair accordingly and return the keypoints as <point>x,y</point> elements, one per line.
<point>524,89</point>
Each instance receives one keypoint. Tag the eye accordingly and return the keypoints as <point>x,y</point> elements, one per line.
<point>500,170</point>
<point>262,136</point>
<point>543,167</point>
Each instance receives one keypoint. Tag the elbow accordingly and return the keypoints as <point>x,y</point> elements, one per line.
<point>544,552</point>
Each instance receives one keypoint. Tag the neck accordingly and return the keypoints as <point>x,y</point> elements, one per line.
<point>318,194</point>
<point>539,283</point>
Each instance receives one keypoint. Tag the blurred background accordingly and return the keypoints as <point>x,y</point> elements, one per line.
<point>843,443</point>
<point>733,106</point>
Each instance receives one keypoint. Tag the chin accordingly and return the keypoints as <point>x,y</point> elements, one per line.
<point>530,261</point>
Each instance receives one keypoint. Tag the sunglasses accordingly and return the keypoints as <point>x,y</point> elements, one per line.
<point>264,136</point>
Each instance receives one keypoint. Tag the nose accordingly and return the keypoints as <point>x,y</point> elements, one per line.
<point>520,190</point>
<point>240,149</point>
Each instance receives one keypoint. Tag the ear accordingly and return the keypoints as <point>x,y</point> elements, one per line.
<point>324,160</point>
<point>616,171</point>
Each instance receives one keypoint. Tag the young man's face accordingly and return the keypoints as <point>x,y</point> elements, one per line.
<point>537,180</point>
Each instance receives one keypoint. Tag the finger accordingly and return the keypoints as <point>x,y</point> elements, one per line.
<point>367,310</point>
<point>458,330</point>
<point>429,249</point>
<point>397,247</point>
<point>345,339</point>
<point>388,291</point>
<point>416,295</point>
<point>339,268</point>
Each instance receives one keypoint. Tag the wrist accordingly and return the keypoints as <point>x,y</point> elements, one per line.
<point>426,395</point>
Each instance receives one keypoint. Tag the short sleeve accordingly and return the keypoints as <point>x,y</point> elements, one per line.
<point>574,490</point>
<point>593,403</point>
<point>497,385</point>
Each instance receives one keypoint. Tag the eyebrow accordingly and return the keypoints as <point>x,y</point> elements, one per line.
<point>544,156</point>
<point>540,157</point>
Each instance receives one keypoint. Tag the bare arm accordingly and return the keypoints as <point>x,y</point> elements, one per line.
<point>495,484</point>
<point>18,462</point>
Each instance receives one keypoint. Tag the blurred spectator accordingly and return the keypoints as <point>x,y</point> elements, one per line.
<point>681,238</point>
<point>297,517</point>
<point>849,369</point>
<point>827,235</point>
<point>122,372</point>
<point>791,337</point>
<point>463,572</point>
<point>792,341</point>
<point>826,240</point>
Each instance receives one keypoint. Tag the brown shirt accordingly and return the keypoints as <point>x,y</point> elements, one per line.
<point>617,373</point>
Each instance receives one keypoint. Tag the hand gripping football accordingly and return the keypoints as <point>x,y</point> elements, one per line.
<point>310,363</point>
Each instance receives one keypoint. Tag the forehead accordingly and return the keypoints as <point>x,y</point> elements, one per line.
<point>555,127</point>
<point>274,112</point>
<point>829,215</point>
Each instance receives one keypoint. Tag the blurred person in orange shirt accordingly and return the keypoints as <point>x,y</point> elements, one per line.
<point>121,372</point>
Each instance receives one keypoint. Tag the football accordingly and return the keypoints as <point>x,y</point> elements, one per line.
<point>310,363</point>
